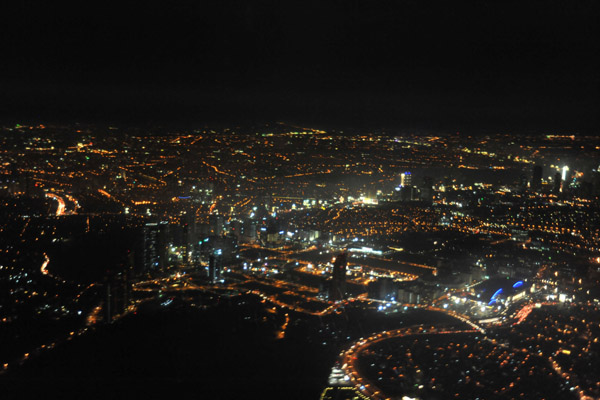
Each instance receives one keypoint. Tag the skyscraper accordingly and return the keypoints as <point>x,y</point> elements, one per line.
<point>216,224</point>
<point>536,179</point>
<point>190,236</point>
<point>405,179</point>
<point>557,183</point>
<point>155,246</point>
<point>337,287</point>
<point>522,186</point>
<point>214,268</point>
<point>427,189</point>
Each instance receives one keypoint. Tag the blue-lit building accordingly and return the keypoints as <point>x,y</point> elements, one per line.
<point>501,291</point>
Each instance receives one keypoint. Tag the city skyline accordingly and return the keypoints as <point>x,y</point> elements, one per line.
<point>309,199</point>
<point>280,243</point>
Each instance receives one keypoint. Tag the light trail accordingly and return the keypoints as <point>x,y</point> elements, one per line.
<point>523,313</point>
<point>61,203</point>
<point>44,265</point>
<point>75,203</point>
<point>281,333</point>
<point>94,316</point>
<point>104,193</point>
<point>217,170</point>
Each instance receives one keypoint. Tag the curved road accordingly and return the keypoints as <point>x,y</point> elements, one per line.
<point>61,203</point>
<point>348,358</point>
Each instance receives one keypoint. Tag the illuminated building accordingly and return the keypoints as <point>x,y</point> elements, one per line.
<point>225,248</point>
<point>155,246</point>
<point>405,179</point>
<point>564,173</point>
<point>565,179</point>
<point>250,231</point>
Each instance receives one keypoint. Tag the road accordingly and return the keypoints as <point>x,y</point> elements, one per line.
<point>61,203</point>
<point>349,357</point>
<point>44,269</point>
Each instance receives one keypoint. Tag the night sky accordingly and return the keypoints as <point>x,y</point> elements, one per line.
<point>478,66</point>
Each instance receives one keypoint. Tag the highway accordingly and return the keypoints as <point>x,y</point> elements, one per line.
<point>61,203</point>
<point>62,206</point>
<point>349,357</point>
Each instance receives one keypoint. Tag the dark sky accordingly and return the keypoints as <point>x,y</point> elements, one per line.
<point>452,65</point>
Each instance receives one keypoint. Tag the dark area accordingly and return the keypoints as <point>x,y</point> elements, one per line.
<point>468,66</point>
<point>183,352</point>
<point>93,256</point>
<point>228,350</point>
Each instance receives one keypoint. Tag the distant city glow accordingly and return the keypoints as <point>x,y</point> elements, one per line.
<point>307,235</point>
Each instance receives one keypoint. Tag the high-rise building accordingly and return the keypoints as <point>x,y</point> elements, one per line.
<point>214,268</point>
<point>337,287</point>
<point>383,289</point>
<point>235,228</point>
<point>216,224</point>
<point>405,179</point>
<point>536,179</point>
<point>566,178</point>
<point>522,186</point>
<point>118,288</point>
<point>224,248</point>
<point>427,189</point>
<point>557,183</point>
<point>249,231</point>
<point>155,245</point>
<point>596,182</point>
<point>189,236</point>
